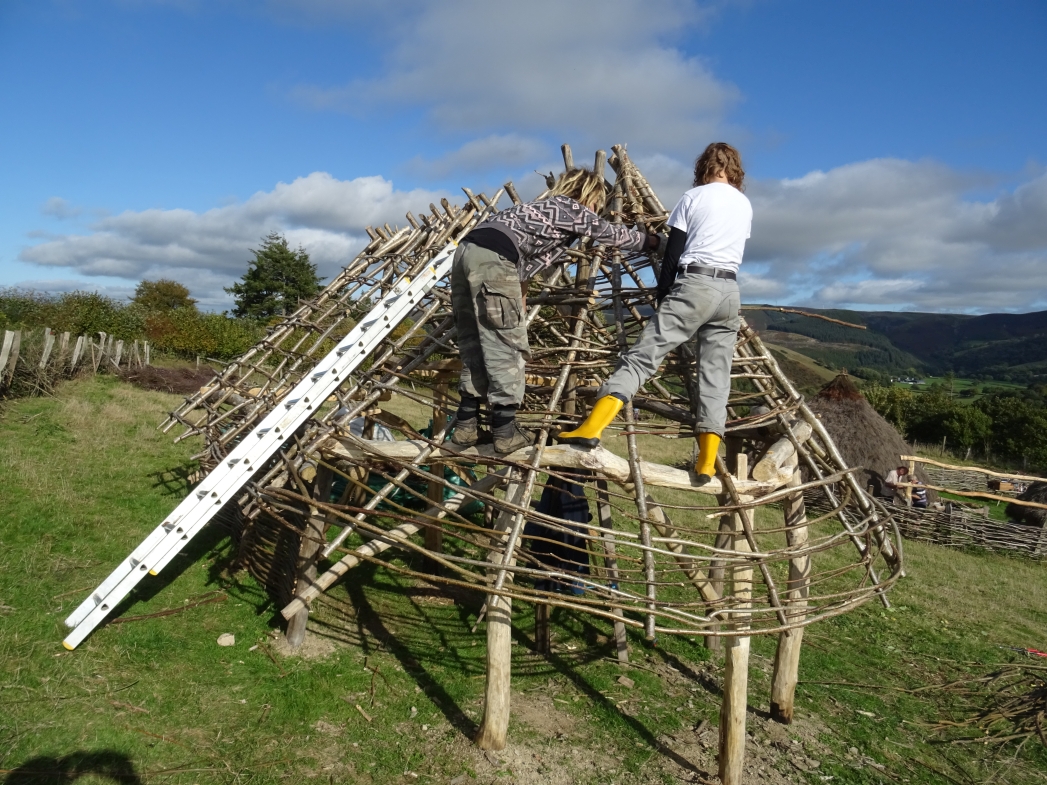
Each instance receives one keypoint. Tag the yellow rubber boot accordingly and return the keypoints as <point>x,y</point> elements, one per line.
<point>705,466</point>
<point>588,433</point>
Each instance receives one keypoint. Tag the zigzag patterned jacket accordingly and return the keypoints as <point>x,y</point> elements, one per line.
<point>541,231</point>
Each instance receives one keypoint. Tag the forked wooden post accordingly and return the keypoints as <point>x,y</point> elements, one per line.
<point>787,657</point>
<point>312,541</point>
<point>494,727</point>
<point>736,658</point>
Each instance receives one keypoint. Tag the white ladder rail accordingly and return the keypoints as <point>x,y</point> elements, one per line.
<point>168,539</point>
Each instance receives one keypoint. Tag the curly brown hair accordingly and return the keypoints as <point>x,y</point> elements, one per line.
<point>719,157</point>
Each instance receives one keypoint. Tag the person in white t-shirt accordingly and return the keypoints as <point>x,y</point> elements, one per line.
<point>697,296</point>
<point>891,491</point>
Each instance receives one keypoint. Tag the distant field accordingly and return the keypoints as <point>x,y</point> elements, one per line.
<point>959,386</point>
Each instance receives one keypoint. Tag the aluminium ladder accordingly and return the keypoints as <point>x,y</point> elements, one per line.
<point>168,539</point>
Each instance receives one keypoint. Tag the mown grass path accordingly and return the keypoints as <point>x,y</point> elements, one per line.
<point>84,475</point>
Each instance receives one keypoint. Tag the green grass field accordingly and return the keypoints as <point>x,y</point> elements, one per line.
<point>388,687</point>
<point>961,388</point>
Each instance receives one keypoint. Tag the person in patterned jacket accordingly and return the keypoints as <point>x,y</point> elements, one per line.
<point>489,277</point>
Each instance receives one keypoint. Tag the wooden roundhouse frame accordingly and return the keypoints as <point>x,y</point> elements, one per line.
<point>725,561</point>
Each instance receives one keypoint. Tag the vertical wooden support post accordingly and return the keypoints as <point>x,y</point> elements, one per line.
<point>49,345</point>
<point>494,727</point>
<point>434,534</point>
<point>5,352</point>
<point>78,350</point>
<point>12,363</point>
<point>312,542</point>
<point>63,350</point>
<point>146,346</point>
<point>568,157</point>
<point>570,400</point>
<point>636,487</point>
<point>96,357</point>
<point>599,163</point>
<point>118,354</point>
<point>603,508</point>
<point>910,478</point>
<point>787,657</point>
<point>542,639</point>
<point>736,662</point>
<point>733,447</point>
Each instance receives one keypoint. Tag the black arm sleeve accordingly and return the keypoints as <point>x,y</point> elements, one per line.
<point>671,262</point>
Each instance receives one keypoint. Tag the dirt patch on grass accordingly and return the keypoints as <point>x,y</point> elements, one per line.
<point>426,593</point>
<point>182,381</point>
<point>314,647</point>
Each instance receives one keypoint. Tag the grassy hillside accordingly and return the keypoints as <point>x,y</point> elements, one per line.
<point>992,346</point>
<point>803,371</point>
<point>84,475</point>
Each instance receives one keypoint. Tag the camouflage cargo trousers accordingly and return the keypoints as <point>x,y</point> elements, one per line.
<point>487,302</point>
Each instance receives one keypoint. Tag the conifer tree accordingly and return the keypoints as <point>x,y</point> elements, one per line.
<point>277,279</point>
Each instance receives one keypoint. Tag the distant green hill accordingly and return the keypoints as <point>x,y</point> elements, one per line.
<point>998,346</point>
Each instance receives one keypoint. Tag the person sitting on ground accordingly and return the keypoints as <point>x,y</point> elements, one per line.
<point>489,277</point>
<point>697,295</point>
<point>891,491</point>
<point>919,495</point>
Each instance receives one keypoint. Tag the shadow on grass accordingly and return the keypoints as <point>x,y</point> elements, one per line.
<point>371,621</point>
<point>567,668</point>
<point>208,541</point>
<point>102,765</point>
<point>178,480</point>
<point>374,619</point>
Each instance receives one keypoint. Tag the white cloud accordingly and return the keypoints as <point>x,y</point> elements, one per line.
<point>207,251</point>
<point>60,285</point>
<point>480,155</point>
<point>57,207</point>
<point>891,233</point>
<point>597,71</point>
<point>876,234</point>
<point>760,288</point>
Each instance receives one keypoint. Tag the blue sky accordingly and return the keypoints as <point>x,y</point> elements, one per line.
<point>895,151</point>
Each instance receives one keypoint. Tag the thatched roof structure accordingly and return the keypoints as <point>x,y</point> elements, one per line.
<point>863,437</point>
<point>1030,516</point>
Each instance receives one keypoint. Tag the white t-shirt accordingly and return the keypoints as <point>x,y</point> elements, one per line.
<point>892,479</point>
<point>718,219</point>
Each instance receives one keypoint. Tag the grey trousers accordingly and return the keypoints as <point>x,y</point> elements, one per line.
<point>487,303</point>
<point>697,304</point>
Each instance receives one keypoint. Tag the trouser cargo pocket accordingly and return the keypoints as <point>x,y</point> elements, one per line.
<point>502,303</point>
